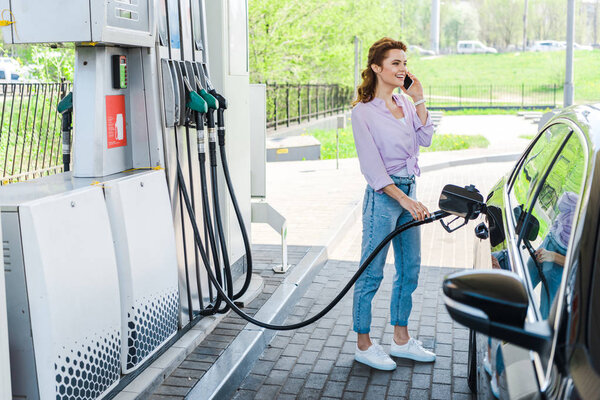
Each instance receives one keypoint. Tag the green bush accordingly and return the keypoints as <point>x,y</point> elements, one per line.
<point>348,150</point>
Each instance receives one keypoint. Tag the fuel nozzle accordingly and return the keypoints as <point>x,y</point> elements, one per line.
<point>195,102</point>
<point>220,116</point>
<point>462,202</point>
<point>65,108</point>
<point>212,105</point>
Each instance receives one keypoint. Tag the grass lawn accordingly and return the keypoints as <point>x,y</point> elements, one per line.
<point>530,68</point>
<point>347,149</point>
<point>528,137</point>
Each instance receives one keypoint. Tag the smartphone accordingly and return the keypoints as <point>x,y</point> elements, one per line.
<point>407,82</point>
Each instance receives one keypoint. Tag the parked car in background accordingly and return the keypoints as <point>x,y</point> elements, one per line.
<point>414,49</point>
<point>9,70</point>
<point>547,45</point>
<point>535,287</point>
<point>578,46</point>
<point>473,46</point>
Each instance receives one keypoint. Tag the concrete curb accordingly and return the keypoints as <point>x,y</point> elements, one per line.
<point>470,161</point>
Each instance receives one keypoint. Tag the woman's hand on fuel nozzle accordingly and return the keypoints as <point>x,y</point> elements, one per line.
<point>416,208</point>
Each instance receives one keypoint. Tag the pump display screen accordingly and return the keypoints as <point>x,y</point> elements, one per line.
<point>162,23</point>
<point>173,11</point>
<point>197,25</point>
<point>119,71</point>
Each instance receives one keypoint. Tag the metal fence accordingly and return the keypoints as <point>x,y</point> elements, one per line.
<point>30,130</point>
<point>492,96</point>
<point>30,136</point>
<point>293,104</point>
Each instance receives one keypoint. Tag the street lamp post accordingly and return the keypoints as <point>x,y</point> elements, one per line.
<point>569,91</point>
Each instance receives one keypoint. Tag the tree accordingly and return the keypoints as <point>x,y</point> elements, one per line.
<point>459,21</point>
<point>525,25</point>
<point>312,41</point>
<point>500,21</point>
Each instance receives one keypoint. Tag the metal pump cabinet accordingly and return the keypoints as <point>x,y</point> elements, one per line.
<point>62,286</point>
<point>92,284</point>
<point>126,267</point>
<point>91,279</point>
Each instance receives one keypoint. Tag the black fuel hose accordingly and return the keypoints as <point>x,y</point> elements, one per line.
<point>194,226</point>
<point>240,223</point>
<point>218,233</point>
<point>225,167</point>
<point>220,237</point>
<point>434,217</point>
<point>208,229</point>
<point>209,232</point>
<point>191,177</point>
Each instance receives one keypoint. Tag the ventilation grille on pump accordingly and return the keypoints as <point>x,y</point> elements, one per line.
<point>6,254</point>
<point>149,323</point>
<point>87,371</point>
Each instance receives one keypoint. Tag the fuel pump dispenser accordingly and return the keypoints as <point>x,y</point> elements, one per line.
<point>92,288</point>
<point>5,389</point>
<point>65,108</point>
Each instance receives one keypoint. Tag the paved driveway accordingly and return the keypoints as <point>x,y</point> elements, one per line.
<point>317,362</point>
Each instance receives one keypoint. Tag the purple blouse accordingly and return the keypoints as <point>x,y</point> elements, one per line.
<point>386,145</point>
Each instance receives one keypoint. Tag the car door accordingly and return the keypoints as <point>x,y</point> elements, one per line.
<point>542,204</point>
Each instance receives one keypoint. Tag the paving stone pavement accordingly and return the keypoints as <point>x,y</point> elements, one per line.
<point>317,362</point>
<point>195,365</point>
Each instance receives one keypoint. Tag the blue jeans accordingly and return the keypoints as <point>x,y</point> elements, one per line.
<point>551,271</point>
<point>381,215</point>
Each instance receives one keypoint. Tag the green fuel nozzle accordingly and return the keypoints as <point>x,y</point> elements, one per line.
<point>212,102</point>
<point>65,107</point>
<point>213,105</point>
<point>195,101</point>
<point>65,104</point>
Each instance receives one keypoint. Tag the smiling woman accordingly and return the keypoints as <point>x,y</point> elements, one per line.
<point>388,131</point>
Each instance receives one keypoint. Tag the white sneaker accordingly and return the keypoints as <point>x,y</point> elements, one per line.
<point>413,349</point>
<point>487,366</point>
<point>375,357</point>
<point>494,386</point>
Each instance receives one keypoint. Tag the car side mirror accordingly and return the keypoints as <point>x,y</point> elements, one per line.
<point>495,303</point>
<point>529,229</point>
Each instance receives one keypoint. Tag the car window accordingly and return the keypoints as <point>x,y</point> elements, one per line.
<point>544,227</point>
<point>530,170</point>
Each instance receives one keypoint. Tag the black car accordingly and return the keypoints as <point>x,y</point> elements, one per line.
<point>532,301</point>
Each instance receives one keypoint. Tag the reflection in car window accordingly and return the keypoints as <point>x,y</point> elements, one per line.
<point>536,161</point>
<point>544,234</point>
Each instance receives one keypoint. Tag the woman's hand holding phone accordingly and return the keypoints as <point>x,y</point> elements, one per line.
<point>415,90</point>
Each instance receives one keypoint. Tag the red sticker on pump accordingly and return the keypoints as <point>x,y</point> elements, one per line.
<point>116,134</point>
